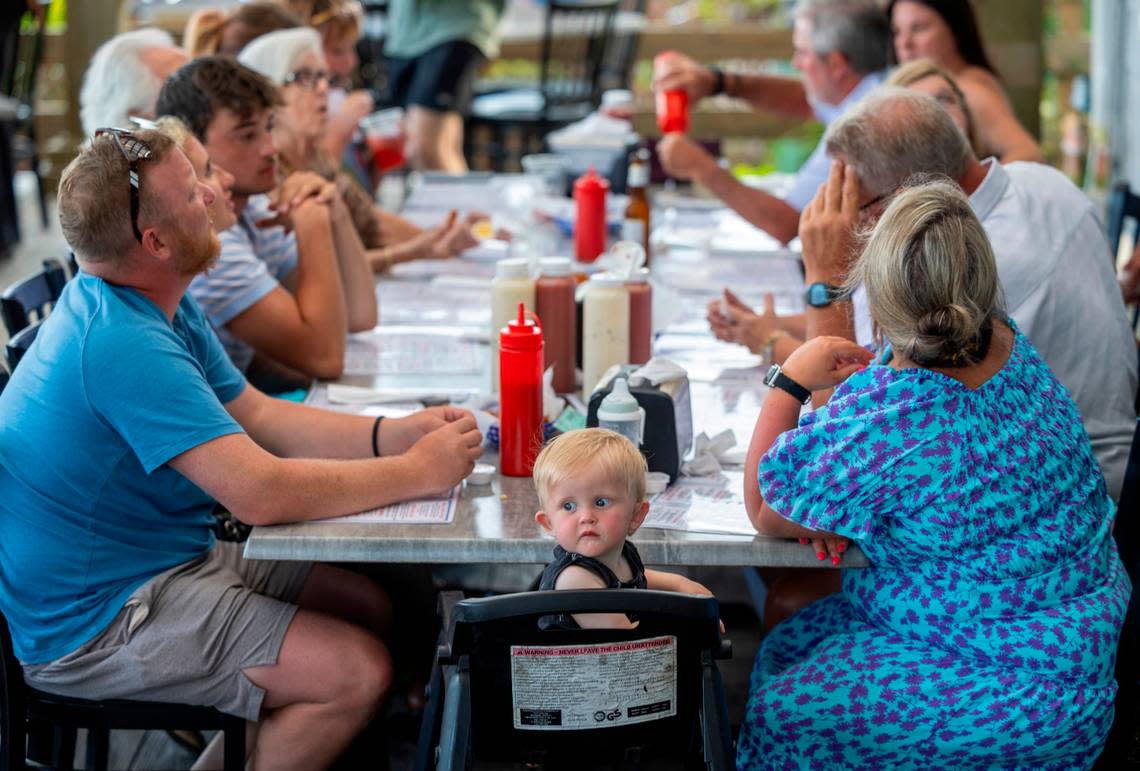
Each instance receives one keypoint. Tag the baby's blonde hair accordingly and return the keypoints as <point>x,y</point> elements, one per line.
<point>567,455</point>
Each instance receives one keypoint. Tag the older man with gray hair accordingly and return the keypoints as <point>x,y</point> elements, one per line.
<point>1052,257</point>
<point>841,49</point>
<point>125,76</point>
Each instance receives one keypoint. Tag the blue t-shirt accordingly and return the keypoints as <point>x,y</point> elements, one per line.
<point>89,511</point>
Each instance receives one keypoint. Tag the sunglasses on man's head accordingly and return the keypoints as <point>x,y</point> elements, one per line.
<point>134,150</point>
<point>306,78</point>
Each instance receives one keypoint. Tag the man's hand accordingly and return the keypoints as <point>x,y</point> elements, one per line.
<point>825,362</point>
<point>678,72</point>
<point>399,434</point>
<point>298,188</point>
<point>827,226</point>
<point>447,455</point>
<point>682,158</point>
<point>734,321</point>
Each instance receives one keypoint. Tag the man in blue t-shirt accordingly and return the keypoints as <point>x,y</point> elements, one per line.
<point>122,426</point>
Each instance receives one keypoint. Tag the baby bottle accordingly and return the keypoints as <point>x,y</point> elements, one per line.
<point>620,412</point>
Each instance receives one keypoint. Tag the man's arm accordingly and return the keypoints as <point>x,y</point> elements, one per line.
<point>355,273</point>
<point>287,429</point>
<point>685,159</point>
<point>305,329</point>
<point>271,490</point>
<point>770,93</point>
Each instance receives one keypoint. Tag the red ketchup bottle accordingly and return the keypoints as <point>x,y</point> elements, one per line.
<point>672,105</point>
<point>520,394</point>
<point>590,225</point>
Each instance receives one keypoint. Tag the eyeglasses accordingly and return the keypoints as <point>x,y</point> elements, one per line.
<point>134,150</point>
<point>873,201</point>
<point>306,78</point>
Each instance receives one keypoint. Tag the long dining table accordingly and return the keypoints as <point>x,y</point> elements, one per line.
<point>432,346</point>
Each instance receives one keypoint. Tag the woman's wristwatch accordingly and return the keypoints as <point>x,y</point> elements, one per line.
<point>777,379</point>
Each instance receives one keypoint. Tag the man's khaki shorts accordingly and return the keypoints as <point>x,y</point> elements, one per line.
<point>186,635</point>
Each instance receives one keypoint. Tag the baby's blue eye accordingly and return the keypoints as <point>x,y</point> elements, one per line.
<point>601,503</point>
<point>569,506</point>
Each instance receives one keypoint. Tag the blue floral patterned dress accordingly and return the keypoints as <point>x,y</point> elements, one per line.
<point>984,634</point>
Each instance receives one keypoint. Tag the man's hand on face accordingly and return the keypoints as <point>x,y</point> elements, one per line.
<point>828,224</point>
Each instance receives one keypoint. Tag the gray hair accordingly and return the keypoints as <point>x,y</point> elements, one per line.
<point>858,29</point>
<point>275,55</point>
<point>893,134</point>
<point>117,83</point>
<point>930,275</point>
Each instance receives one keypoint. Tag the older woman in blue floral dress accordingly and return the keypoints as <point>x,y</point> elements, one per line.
<point>984,633</point>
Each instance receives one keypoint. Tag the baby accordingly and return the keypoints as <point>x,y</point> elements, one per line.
<point>591,487</point>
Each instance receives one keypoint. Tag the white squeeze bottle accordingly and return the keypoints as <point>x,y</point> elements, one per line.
<point>620,412</point>
<point>510,286</point>
<point>605,328</point>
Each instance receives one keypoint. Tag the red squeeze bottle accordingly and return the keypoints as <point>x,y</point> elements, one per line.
<point>520,395</point>
<point>672,105</point>
<point>590,225</point>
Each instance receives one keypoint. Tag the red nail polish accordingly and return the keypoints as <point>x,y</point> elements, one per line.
<point>835,560</point>
<point>803,542</point>
<point>841,548</point>
<point>821,554</point>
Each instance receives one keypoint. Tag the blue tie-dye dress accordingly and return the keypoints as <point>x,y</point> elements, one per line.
<point>984,634</point>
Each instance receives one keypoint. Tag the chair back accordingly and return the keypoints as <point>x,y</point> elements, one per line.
<point>19,344</point>
<point>617,67</point>
<point>1123,204</point>
<point>13,730</point>
<point>576,37</point>
<point>32,299</point>
<point>565,697</point>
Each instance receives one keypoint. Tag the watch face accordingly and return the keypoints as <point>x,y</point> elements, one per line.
<point>773,371</point>
<point>818,296</point>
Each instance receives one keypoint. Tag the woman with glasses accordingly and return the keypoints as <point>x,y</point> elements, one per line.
<point>339,24</point>
<point>293,60</point>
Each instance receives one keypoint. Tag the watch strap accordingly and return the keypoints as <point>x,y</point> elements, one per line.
<point>777,379</point>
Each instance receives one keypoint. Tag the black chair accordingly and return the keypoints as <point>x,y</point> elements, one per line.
<point>1122,204</point>
<point>32,299</point>
<point>1122,736</point>
<point>19,344</point>
<point>4,377</point>
<point>575,40</point>
<point>499,693</point>
<point>617,67</point>
<point>20,703</point>
<point>18,75</point>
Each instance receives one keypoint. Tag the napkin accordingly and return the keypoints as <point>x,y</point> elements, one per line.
<point>710,455</point>
<point>656,371</point>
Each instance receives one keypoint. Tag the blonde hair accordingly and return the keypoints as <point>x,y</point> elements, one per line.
<point>567,455</point>
<point>920,69</point>
<point>175,129</point>
<point>212,31</point>
<point>94,203</point>
<point>931,278</point>
<point>334,19</point>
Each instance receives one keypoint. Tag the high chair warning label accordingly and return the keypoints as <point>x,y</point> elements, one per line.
<point>575,687</point>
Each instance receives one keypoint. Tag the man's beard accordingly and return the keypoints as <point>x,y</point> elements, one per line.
<point>196,252</point>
